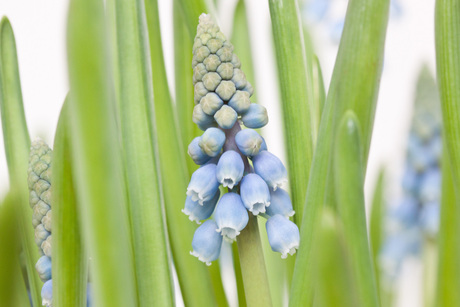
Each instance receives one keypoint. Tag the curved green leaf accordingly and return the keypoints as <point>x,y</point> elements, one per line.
<point>140,146</point>
<point>354,84</point>
<point>296,95</point>
<point>349,184</point>
<point>70,265</point>
<point>17,143</point>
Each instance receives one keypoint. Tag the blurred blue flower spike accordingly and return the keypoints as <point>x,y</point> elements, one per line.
<point>203,185</point>
<point>255,194</point>
<point>223,107</point>
<point>283,235</point>
<point>231,216</point>
<point>230,169</point>
<point>417,214</point>
<point>270,168</point>
<point>207,242</point>
<point>280,203</point>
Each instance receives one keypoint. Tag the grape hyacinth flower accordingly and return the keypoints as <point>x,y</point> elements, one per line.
<point>207,242</point>
<point>283,235</point>
<point>39,181</point>
<point>223,110</point>
<point>415,219</point>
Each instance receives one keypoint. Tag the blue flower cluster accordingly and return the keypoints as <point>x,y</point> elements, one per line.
<point>229,156</point>
<point>417,214</point>
<point>39,181</point>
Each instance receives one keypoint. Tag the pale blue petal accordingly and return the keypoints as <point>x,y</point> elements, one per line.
<point>203,185</point>
<point>207,242</point>
<point>197,212</point>
<point>270,168</point>
<point>43,267</point>
<point>196,153</point>
<point>230,169</point>
<point>212,141</point>
<point>283,235</point>
<point>231,216</point>
<point>249,142</point>
<point>255,194</point>
<point>47,293</point>
<point>280,203</point>
<point>255,117</point>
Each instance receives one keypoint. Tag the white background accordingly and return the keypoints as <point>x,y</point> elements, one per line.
<point>39,27</point>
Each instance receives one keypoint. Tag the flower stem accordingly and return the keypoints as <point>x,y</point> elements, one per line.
<point>253,265</point>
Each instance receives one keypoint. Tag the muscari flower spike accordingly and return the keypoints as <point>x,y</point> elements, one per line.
<point>222,106</point>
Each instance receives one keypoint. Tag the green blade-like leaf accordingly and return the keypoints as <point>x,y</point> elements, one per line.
<point>349,183</point>
<point>355,78</point>
<point>97,159</point>
<point>238,277</point>
<point>174,173</point>
<point>449,241</point>
<point>296,95</point>
<point>17,143</point>
<point>447,35</point>
<point>13,290</point>
<point>242,43</point>
<point>139,137</point>
<point>191,9</point>
<point>70,265</point>
<point>332,265</point>
<point>319,92</point>
<point>183,83</point>
<point>376,230</point>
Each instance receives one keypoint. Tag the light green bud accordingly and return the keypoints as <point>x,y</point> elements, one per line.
<point>211,103</point>
<point>46,246</point>
<point>198,72</point>
<point>240,102</point>
<point>214,45</point>
<point>225,90</point>
<point>226,117</point>
<point>212,62</point>
<point>211,80</point>
<point>46,220</point>
<point>236,61</point>
<point>225,54</point>
<point>225,70</point>
<point>239,78</point>
<point>201,53</point>
<point>200,91</point>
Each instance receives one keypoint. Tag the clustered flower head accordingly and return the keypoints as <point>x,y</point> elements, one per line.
<point>39,181</point>
<point>230,156</point>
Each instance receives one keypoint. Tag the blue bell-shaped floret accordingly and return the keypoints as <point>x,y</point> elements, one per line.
<point>280,203</point>
<point>231,216</point>
<point>197,212</point>
<point>283,235</point>
<point>270,168</point>
<point>255,194</point>
<point>203,185</point>
<point>207,242</point>
<point>230,169</point>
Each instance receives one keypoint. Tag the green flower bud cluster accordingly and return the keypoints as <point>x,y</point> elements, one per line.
<point>39,181</point>
<point>221,90</point>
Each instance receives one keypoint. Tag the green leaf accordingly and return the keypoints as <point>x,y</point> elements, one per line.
<point>319,93</point>
<point>242,43</point>
<point>355,80</point>
<point>174,174</point>
<point>332,265</point>
<point>349,183</point>
<point>376,228</point>
<point>13,290</point>
<point>238,276</point>
<point>448,279</point>
<point>191,10</point>
<point>17,143</point>
<point>96,158</point>
<point>296,95</point>
<point>447,36</point>
<point>70,265</point>
<point>183,83</point>
<point>140,146</point>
